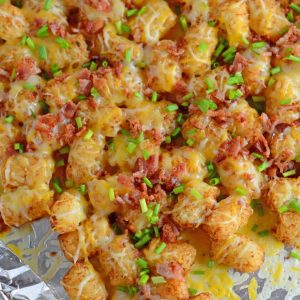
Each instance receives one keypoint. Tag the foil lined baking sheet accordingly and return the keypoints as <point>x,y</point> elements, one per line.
<point>36,270</point>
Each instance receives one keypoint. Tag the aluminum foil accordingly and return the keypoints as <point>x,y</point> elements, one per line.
<point>36,246</point>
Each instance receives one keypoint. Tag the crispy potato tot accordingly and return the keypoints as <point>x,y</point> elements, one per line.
<point>82,282</point>
<point>238,252</point>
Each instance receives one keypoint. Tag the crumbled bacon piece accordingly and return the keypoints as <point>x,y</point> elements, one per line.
<point>238,64</point>
<point>170,270</point>
<point>169,233</point>
<point>46,123</point>
<point>135,126</point>
<point>292,36</point>
<point>57,29</point>
<point>125,180</point>
<point>67,133</point>
<point>26,67</point>
<point>175,49</point>
<point>147,167</point>
<point>100,5</point>
<point>69,110</point>
<point>261,144</point>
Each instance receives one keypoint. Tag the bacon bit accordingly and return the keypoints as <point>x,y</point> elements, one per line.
<point>292,36</point>
<point>30,147</point>
<point>147,167</point>
<point>99,83</point>
<point>135,126</point>
<point>67,134</point>
<point>84,74</point>
<point>91,27</point>
<point>220,116</point>
<point>232,148</point>
<point>10,150</point>
<point>281,127</point>
<point>169,233</point>
<point>92,103</point>
<point>157,136</point>
<point>125,180</point>
<point>118,68</point>
<point>175,50</point>
<point>85,86</point>
<point>69,110</point>
<point>57,29</point>
<point>100,5</point>
<point>170,270</point>
<point>180,88</point>
<point>26,67</point>
<point>261,144</point>
<point>239,63</point>
<point>266,122</point>
<point>46,123</point>
<point>146,291</point>
<point>272,172</point>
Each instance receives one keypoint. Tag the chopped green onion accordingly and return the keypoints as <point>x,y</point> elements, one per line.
<point>81,97</point>
<point>9,119</point>
<point>93,66</point>
<point>183,23</point>
<point>289,173</point>
<point>234,94</point>
<point>275,70</point>
<point>146,154</point>
<point>179,189</point>
<point>29,86</point>
<point>285,102</point>
<point>264,165</point>
<point>257,206</point>
<point>82,189</point>
<point>214,181</point>
<point>211,23</point>
<point>198,272</point>
<point>43,31</point>
<point>144,279</point>
<point>192,291</point>
<point>60,163</point>
<point>257,155</point>
<point>258,45</point>
<point>128,55</point>
<point>140,262</point>
<point>172,107</point>
<point>19,147</point>
<point>263,233</point>
<point>295,7</point>
<point>131,147</point>
<point>203,47</point>
<point>188,96</point>
<point>205,105</point>
<point>295,255</point>
<point>118,26</point>
<point>143,241</point>
<point>196,194</point>
<point>156,231</point>
<point>143,205</point>
<point>191,132</point>
<point>241,191</point>
<point>295,205</point>
<point>131,12</point>
<point>254,227</point>
<point>293,58</point>
<point>13,74</point>
<point>138,95</point>
<point>190,142</point>
<point>88,135</point>
<point>111,194</point>
<point>148,182</point>
<point>236,79</point>
<point>158,279</point>
<point>168,139</point>
<point>126,28</point>
<point>55,70</point>
<point>258,98</point>
<point>62,43</point>
<point>64,150</point>
<point>42,52</point>
<point>176,131</point>
<point>156,209</point>
<point>154,96</point>
<point>104,63</point>
<point>125,132</point>
<point>30,43</point>
<point>271,82</point>
<point>142,10</point>
<point>69,183</point>
<point>78,122</point>
<point>47,4</point>
<point>159,249</point>
<point>94,92</point>
<point>245,41</point>
<point>210,263</point>
<point>283,209</point>
<point>57,186</point>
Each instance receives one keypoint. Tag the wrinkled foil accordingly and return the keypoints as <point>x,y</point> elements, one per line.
<point>17,281</point>
<point>38,252</point>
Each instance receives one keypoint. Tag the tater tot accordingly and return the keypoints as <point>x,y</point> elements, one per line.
<point>68,211</point>
<point>12,22</point>
<point>23,205</point>
<point>82,282</point>
<point>281,191</point>
<point>238,252</point>
<point>240,173</point>
<point>227,217</point>
<point>173,289</point>
<point>118,261</point>
<point>194,204</point>
<point>181,253</point>
<point>89,237</point>
<point>288,229</point>
<point>202,296</point>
